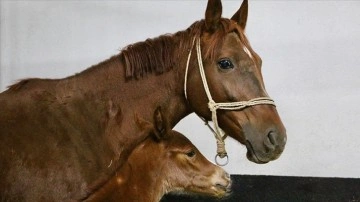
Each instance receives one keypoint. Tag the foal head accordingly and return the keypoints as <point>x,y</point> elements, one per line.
<point>175,163</point>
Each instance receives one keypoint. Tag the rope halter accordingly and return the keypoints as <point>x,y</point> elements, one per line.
<point>213,106</point>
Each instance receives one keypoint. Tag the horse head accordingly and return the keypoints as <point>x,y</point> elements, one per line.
<point>232,77</point>
<point>180,164</point>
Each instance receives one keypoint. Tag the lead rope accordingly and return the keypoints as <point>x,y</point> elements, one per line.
<point>213,106</point>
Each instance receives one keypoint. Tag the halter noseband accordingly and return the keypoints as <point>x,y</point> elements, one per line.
<point>213,106</point>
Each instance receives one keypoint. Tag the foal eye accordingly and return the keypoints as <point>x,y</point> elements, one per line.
<point>225,64</point>
<point>191,153</point>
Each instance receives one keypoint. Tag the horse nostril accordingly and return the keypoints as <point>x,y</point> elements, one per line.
<point>227,175</point>
<point>272,137</point>
<point>221,186</point>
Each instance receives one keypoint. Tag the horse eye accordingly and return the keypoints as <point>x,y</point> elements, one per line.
<point>225,64</point>
<point>191,153</point>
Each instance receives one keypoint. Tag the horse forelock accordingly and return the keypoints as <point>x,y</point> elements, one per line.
<point>214,41</point>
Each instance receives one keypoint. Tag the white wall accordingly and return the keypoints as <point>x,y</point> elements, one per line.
<point>310,49</point>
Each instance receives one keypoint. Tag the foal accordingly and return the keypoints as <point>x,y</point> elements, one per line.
<point>165,161</point>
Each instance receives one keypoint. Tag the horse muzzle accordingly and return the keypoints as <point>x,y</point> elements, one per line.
<point>266,148</point>
<point>259,128</point>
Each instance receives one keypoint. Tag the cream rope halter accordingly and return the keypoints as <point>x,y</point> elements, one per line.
<point>213,106</point>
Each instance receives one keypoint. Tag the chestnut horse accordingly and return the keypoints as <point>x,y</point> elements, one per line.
<point>166,161</point>
<point>60,135</point>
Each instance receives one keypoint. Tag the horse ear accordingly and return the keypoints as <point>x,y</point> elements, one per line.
<point>241,15</point>
<point>159,123</point>
<point>213,15</point>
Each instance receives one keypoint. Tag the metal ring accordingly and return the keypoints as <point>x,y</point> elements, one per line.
<point>222,164</point>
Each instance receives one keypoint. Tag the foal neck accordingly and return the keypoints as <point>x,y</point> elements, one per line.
<point>138,179</point>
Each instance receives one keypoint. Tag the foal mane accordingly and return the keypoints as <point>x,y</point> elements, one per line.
<point>160,54</point>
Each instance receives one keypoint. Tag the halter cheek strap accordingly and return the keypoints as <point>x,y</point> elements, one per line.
<point>213,106</point>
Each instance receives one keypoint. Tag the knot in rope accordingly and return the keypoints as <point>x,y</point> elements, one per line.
<point>212,106</point>
<point>221,151</point>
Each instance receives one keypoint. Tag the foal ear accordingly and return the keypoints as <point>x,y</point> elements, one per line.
<point>159,123</point>
<point>213,15</point>
<point>241,15</point>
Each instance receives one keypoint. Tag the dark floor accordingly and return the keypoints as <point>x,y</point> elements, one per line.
<point>251,188</point>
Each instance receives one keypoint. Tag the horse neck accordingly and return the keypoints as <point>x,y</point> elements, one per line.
<point>107,81</point>
<point>104,86</point>
<point>145,183</point>
<point>138,179</point>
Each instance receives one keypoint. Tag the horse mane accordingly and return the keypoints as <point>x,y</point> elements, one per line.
<point>18,85</point>
<point>151,56</point>
<point>160,54</point>
<point>23,83</point>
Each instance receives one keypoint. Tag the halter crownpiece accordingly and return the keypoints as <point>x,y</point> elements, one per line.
<point>213,106</point>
